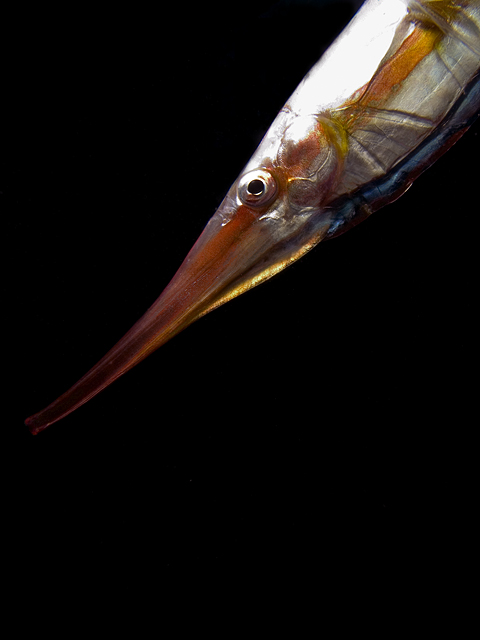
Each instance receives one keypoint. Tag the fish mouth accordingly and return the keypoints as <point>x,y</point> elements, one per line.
<point>239,248</point>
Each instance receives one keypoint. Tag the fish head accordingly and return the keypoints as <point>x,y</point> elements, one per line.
<point>274,212</point>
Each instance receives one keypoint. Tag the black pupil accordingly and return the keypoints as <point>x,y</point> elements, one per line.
<point>256,187</point>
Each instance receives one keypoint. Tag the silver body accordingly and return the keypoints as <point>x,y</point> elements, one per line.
<point>396,89</point>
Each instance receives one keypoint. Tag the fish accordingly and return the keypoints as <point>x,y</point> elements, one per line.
<point>395,90</point>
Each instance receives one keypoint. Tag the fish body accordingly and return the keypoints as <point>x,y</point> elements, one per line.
<point>394,91</point>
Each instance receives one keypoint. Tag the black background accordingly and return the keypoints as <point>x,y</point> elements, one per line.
<point>324,418</point>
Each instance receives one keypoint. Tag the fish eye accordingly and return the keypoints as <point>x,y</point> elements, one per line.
<point>257,188</point>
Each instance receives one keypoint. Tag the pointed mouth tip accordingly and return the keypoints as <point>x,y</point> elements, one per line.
<point>30,424</point>
<point>31,427</point>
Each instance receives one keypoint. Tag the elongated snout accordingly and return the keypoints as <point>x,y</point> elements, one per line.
<point>241,246</point>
